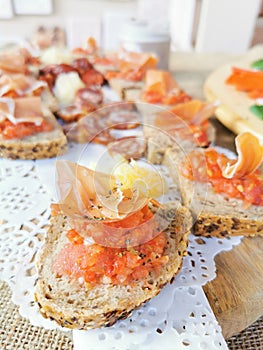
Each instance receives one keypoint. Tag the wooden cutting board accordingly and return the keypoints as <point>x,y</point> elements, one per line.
<point>236,294</point>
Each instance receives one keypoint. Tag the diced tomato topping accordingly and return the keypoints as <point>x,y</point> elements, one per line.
<point>135,229</point>
<point>170,99</point>
<point>134,220</point>
<point>11,131</point>
<point>249,188</point>
<point>100,264</point>
<point>120,266</point>
<point>74,237</point>
<point>130,75</point>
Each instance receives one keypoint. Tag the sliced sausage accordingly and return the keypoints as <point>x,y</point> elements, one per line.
<point>129,147</point>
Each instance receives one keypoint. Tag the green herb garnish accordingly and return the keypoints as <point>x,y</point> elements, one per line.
<point>258,64</point>
<point>257,110</point>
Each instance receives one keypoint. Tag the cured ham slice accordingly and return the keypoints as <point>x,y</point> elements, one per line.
<point>189,121</point>
<point>91,195</point>
<point>134,60</point>
<point>193,112</point>
<point>160,81</point>
<point>12,63</point>
<point>161,87</point>
<point>250,156</point>
<point>21,110</point>
<point>18,85</point>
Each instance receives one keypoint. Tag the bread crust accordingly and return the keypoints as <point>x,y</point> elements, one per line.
<point>120,86</point>
<point>76,306</point>
<point>37,146</point>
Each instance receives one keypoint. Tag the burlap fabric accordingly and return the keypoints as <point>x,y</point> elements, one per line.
<point>17,333</point>
<point>249,339</point>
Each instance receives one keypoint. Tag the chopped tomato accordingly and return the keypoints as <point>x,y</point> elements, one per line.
<point>135,229</point>
<point>97,264</point>
<point>133,74</point>
<point>170,99</point>
<point>173,99</point>
<point>130,75</point>
<point>248,188</point>
<point>74,237</point>
<point>11,131</point>
<point>133,220</point>
<point>102,264</point>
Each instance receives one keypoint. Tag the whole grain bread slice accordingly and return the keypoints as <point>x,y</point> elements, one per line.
<point>159,140</point>
<point>37,146</point>
<point>74,305</point>
<point>121,86</point>
<point>214,214</point>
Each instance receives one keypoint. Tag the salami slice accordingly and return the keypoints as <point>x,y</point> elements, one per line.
<point>129,147</point>
<point>92,128</point>
<point>70,113</point>
<point>92,77</point>
<point>82,65</point>
<point>92,95</point>
<point>51,72</point>
<point>123,120</point>
<point>76,111</point>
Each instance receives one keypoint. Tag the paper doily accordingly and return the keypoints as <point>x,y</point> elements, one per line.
<point>179,317</point>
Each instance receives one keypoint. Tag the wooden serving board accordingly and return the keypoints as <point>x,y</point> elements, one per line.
<point>236,294</point>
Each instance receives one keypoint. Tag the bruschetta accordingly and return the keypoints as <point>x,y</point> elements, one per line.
<point>98,268</point>
<point>225,195</point>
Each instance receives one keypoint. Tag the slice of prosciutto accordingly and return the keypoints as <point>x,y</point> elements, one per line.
<point>12,62</point>
<point>250,157</point>
<point>19,85</point>
<point>92,195</point>
<point>194,112</point>
<point>21,110</point>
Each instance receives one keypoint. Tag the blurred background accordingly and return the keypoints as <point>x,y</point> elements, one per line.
<point>229,26</point>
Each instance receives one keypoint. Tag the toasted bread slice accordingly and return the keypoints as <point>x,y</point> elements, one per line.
<point>74,305</point>
<point>158,140</point>
<point>126,90</point>
<point>36,146</point>
<point>214,214</point>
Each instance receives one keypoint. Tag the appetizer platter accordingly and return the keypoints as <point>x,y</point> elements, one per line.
<point>104,225</point>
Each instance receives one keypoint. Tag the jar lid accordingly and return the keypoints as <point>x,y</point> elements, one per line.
<point>142,31</point>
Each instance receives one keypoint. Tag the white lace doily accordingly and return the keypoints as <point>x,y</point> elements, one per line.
<point>178,318</point>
